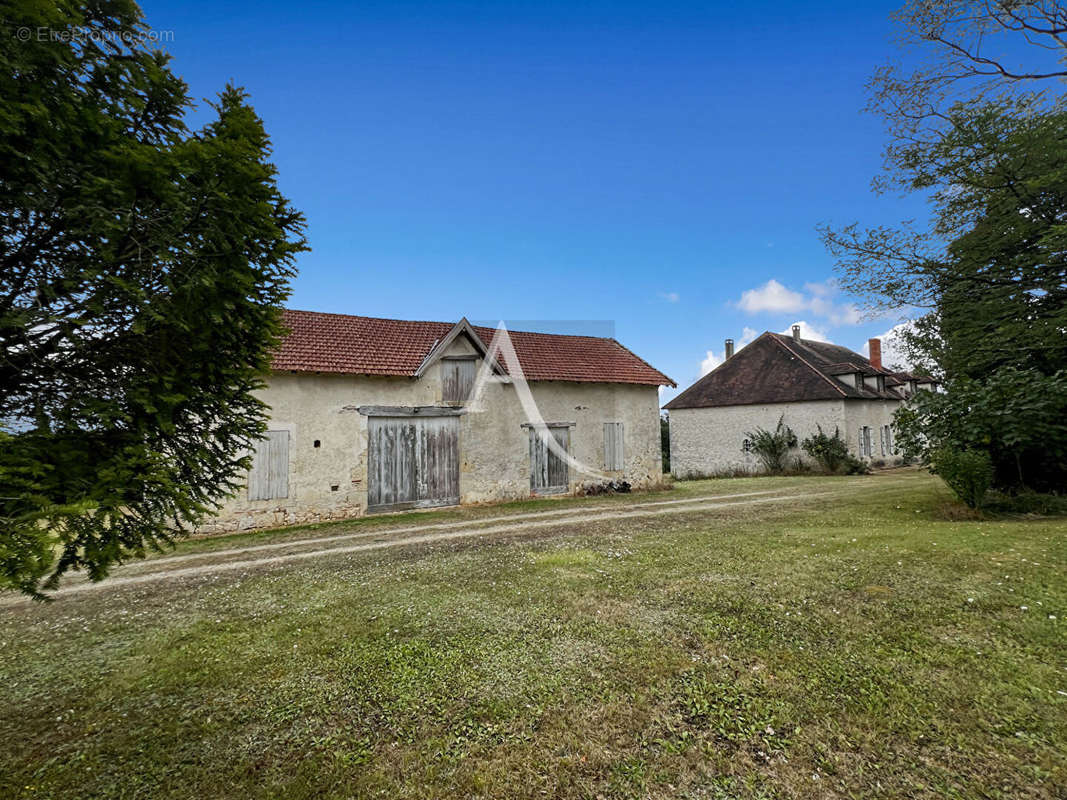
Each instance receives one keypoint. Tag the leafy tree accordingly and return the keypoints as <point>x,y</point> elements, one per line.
<point>987,144</point>
<point>991,273</point>
<point>143,268</point>
<point>772,447</point>
<point>1016,416</point>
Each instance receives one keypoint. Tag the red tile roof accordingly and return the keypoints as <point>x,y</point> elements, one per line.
<point>341,343</point>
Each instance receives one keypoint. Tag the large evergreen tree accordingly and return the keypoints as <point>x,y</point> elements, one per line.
<point>142,268</point>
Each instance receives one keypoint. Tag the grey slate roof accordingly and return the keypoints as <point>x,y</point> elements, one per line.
<point>777,369</point>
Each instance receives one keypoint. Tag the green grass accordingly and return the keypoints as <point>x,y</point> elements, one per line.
<point>859,647</point>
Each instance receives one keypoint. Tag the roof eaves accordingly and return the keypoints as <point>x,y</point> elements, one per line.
<point>669,382</point>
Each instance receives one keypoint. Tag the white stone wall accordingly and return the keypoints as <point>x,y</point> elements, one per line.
<point>874,414</point>
<point>494,447</point>
<point>708,441</point>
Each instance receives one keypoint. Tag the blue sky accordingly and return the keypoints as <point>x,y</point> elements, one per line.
<point>641,164</point>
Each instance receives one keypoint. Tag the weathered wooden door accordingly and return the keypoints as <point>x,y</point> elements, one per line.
<point>412,462</point>
<point>549,473</point>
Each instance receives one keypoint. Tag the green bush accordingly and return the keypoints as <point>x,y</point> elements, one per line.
<point>1015,416</point>
<point>1027,503</point>
<point>772,447</point>
<point>829,452</point>
<point>855,466</point>
<point>968,473</point>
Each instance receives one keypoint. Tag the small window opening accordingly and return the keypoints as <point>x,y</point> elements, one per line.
<point>317,443</point>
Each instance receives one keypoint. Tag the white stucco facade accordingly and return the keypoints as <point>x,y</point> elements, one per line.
<point>328,439</point>
<point>710,441</point>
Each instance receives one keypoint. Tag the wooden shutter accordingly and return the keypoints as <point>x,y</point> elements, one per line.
<point>614,455</point>
<point>457,379</point>
<point>269,477</point>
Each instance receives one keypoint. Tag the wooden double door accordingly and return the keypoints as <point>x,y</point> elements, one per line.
<point>412,462</point>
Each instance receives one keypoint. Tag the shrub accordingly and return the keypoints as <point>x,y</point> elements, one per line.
<point>1027,503</point>
<point>772,447</point>
<point>855,466</point>
<point>829,452</point>
<point>1015,416</point>
<point>968,473</point>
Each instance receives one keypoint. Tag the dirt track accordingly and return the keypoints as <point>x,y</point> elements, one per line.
<point>253,555</point>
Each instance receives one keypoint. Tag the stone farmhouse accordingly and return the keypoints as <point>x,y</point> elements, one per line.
<point>371,415</point>
<point>804,382</point>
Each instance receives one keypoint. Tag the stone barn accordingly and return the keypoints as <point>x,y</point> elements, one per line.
<point>371,415</point>
<point>806,383</point>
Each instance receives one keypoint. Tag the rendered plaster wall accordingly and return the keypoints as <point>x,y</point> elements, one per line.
<point>330,481</point>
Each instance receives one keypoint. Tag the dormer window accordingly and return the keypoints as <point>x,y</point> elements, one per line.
<point>881,383</point>
<point>859,380</point>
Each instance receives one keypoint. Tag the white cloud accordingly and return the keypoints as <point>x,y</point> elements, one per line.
<point>808,331</point>
<point>710,362</point>
<point>670,297</point>
<point>713,359</point>
<point>824,289</point>
<point>847,314</point>
<point>771,296</point>
<point>893,356</point>
<point>817,298</point>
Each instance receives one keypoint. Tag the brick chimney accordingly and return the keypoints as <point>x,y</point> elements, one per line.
<point>796,333</point>
<point>875,347</point>
<point>729,347</point>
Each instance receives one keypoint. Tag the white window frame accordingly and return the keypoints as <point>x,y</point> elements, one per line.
<point>866,448</point>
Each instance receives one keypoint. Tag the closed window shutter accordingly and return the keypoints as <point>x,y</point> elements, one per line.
<point>457,379</point>
<point>614,458</point>
<point>269,477</point>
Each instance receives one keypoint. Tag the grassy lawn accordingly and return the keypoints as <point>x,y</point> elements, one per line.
<point>857,646</point>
